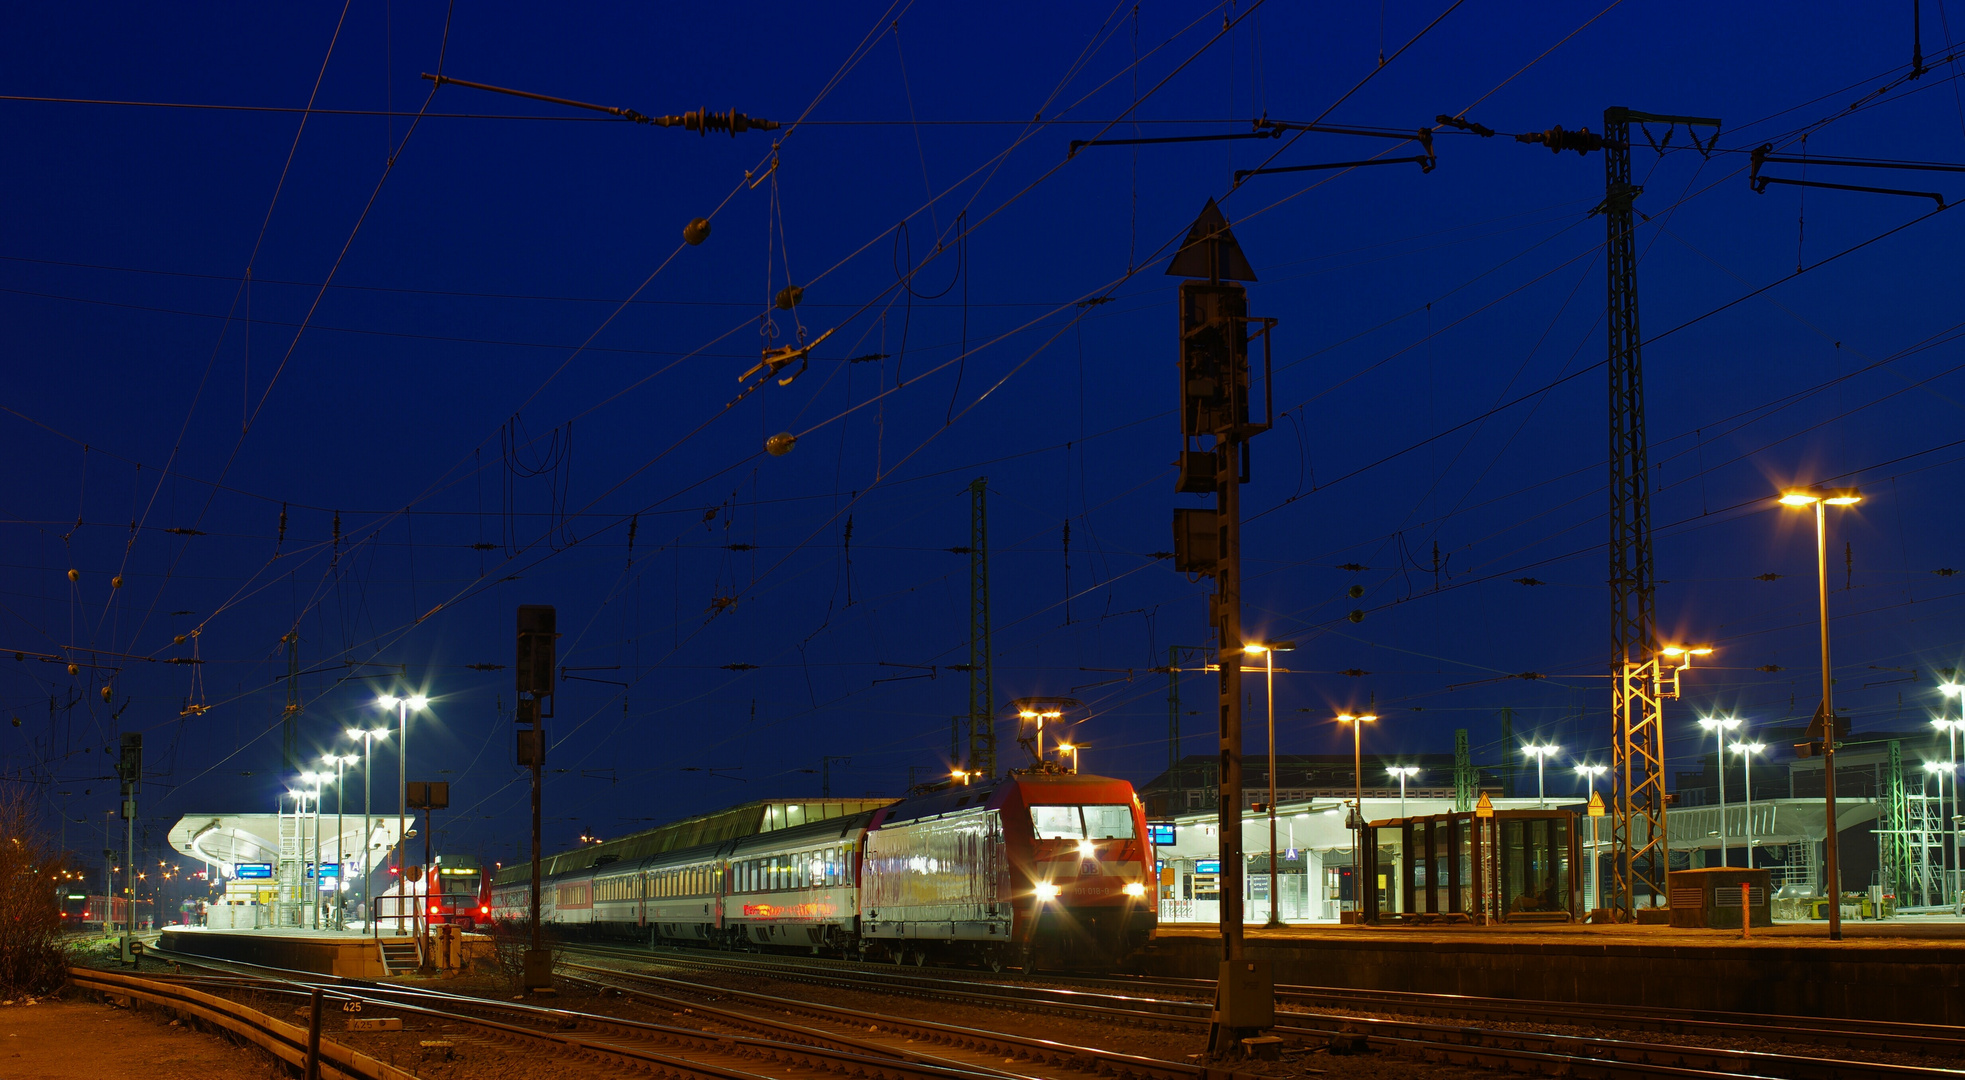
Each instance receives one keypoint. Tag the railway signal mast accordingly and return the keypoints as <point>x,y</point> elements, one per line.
<point>536,646</point>
<point>1215,387</point>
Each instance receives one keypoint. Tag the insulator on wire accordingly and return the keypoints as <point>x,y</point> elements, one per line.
<point>697,231</point>
<point>703,121</point>
<point>1557,140</point>
<point>780,444</point>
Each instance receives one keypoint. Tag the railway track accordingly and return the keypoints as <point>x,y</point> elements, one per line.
<point>1868,1035</point>
<point>722,1041</point>
<point>1511,1048</point>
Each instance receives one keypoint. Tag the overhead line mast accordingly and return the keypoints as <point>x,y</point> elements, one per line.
<point>982,668</point>
<point>1638,837</point>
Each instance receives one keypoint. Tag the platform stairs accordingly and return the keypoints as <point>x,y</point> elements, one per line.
<point>401,952</point>
<point>401,955</point>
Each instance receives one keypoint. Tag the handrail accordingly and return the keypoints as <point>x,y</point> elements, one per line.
<point>285,1041</point>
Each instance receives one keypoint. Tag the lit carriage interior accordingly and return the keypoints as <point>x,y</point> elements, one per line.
<point>1038,868</point>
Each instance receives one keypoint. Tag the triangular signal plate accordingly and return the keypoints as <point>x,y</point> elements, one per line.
<point>1210,241</point>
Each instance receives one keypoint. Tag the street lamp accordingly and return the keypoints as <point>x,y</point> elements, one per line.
<point>1540,753</point>
<point>1403,772</point>
<point>1358,723</point>
<point>402,705</point>
<point>1831,865</point>
<point>1941,770</point>
<point>1952,728</point>
<point>1039,709</point>
<point>317,779</point>
<point>340,763</point>
<point>1719,726</point>
<point>1268,651</point>
<point>1747,752</point>
<point>367,737</point>
<point>1594,884</point>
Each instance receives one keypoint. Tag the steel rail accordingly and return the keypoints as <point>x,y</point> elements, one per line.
<point>1561,1053</point>
<point>824,1052</point>
<point>1891,1036</point>
<point>284,1041</point>
<point>1020,1047</point>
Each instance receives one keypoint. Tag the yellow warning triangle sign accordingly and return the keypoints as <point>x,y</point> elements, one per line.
<point>1485,807</point>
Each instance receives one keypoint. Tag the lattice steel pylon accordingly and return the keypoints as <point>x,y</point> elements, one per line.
<point>982,667</point>
<point>1638,833</point>
<point>1463,773</point>
<point>1893,844</point>
<point>1640,855</point>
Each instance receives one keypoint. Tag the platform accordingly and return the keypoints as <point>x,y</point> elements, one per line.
<point>1906,970</point>
<point>349,954</point>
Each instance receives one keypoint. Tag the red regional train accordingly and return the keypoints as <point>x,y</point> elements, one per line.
<point>1037,869</point>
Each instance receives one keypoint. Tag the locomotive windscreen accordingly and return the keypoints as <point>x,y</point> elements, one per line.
<point>1082,822</point>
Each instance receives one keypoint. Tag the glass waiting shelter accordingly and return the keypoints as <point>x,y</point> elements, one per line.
<point>1517,866</point>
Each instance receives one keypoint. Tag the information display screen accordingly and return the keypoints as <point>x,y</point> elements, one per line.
<point>250,871</point>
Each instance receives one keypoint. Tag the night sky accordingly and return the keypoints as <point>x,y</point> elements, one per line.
<point>517,386</point>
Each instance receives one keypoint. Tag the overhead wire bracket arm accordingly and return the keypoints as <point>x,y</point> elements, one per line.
<point>1764,155</point>
<point>1424,136</point>
<point>1424,161</point>
<point>701,121</point>
<point>1079,144</point>
<point>1760,186</point>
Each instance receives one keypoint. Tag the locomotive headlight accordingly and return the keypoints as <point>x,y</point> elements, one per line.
<point>1086,849</point>
<point>1135,889</point>
<point>1046,891</point>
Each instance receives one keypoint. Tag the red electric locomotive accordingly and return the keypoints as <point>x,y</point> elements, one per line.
<point>1041,869</point>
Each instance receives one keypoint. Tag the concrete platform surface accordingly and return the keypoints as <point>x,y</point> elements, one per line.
<point>1903,973</point>
<point>297,933</point>
<point>346,953</point>
<point>1914,932</point>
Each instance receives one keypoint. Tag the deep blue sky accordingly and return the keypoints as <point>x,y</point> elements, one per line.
<point>1409,304</point>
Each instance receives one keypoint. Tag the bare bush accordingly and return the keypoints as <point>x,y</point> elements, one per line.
<point>31,959</point>
<point>510,939</point>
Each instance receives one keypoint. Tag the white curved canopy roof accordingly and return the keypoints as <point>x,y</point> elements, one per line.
<point>225,840</point>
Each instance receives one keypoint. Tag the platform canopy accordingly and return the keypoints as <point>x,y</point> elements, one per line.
<point>228,840</point>
<point>1774,822</point>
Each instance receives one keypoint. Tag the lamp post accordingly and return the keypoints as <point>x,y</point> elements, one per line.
<point>1589,773</point>
<point>317,780</point>
<point>1540,753</point>
<point>1719,726</point>
<point>1358,723</point>
<point>1036,710</point>
<point>1747,752</point>
<point>402,705</point>
<point>340,763</point>
<point>299,798</point>
<point>1951,728</point>
<point>1268,651</point>
<point>1942,770</point>
<point>1403,772</point>
<point>1831,866</point>
<point>367,738</point>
